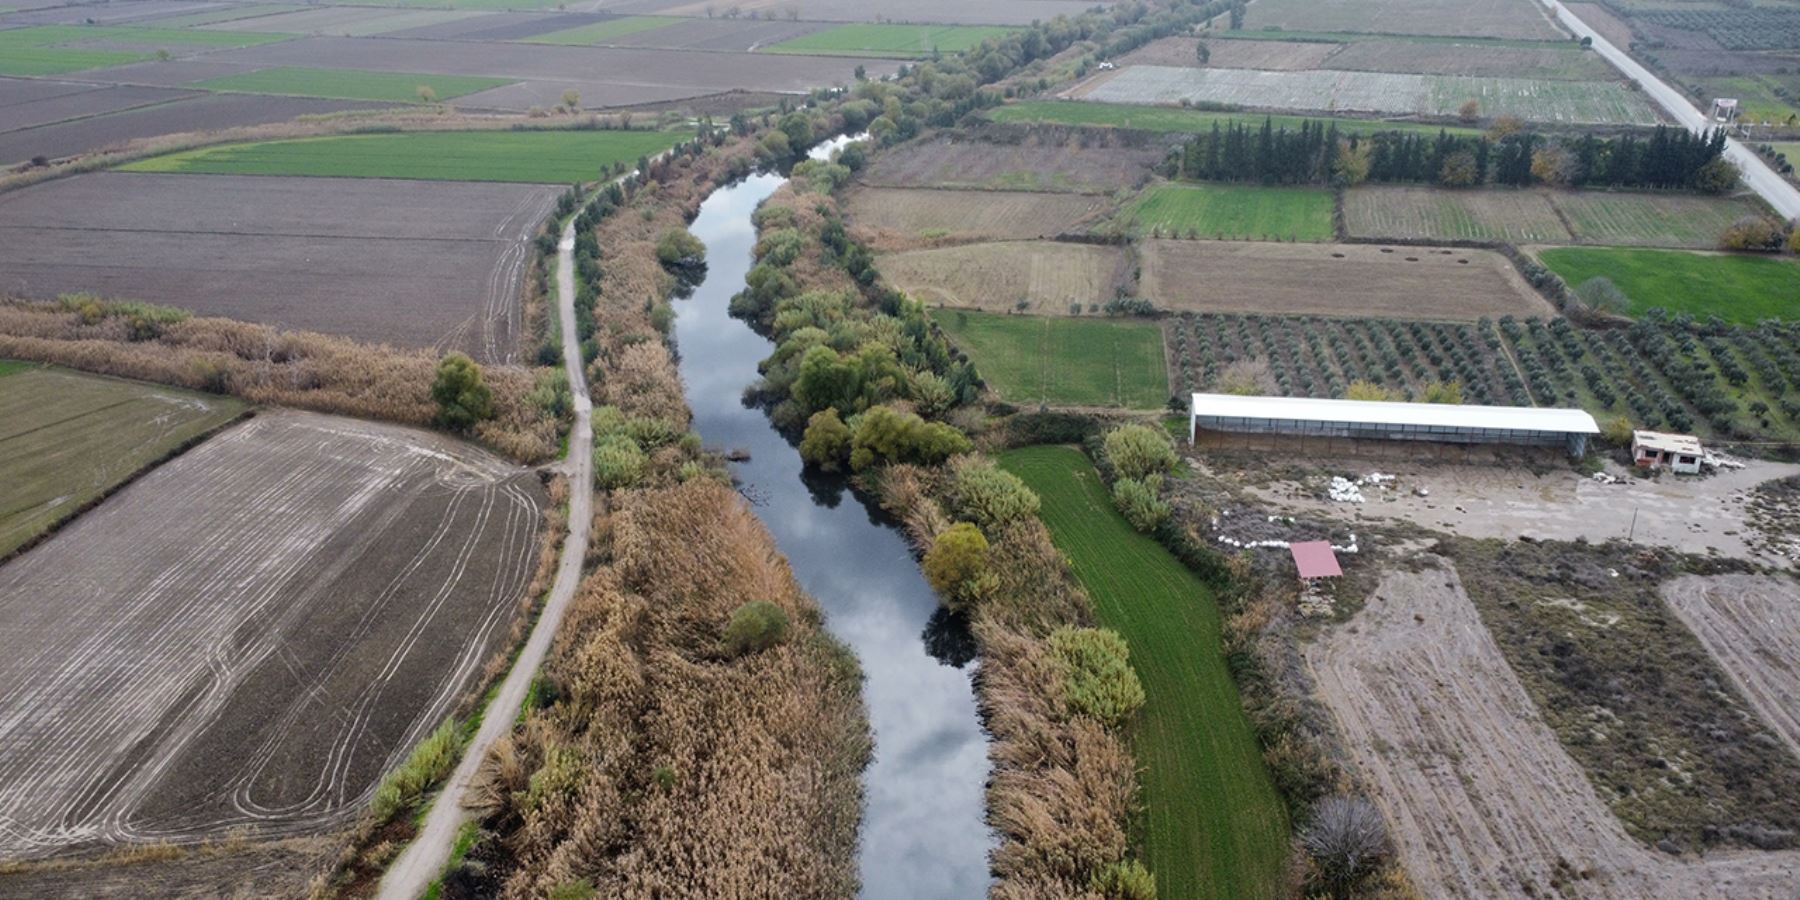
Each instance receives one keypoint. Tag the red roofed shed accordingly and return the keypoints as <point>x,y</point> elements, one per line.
<point>1314,559</point>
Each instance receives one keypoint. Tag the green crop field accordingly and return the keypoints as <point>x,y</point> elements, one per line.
<point>1228,211</point>
<point>1650,220</point>
<point>601,32</point>
<point>67,438</point>
<point>1064,361</point>
<point>54,49</point>
<point>349,84</point>
<point>1175,120</point>
<point>546,157</point>
<point>900,41</point>
<point>1214,825</point>
<point>1741,289</point>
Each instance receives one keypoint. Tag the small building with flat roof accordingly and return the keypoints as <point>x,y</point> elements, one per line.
<point>1679,453</point>
<point>1391,421</point>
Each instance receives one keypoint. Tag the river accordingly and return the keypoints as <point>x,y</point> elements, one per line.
<point>923,834</point>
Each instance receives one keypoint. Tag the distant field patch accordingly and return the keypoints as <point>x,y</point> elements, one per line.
<point>1650,220</point>
<point>1335,280</point>
<point>54,49</point>
<point>1470,18</point>
<point>348,84</point>
<point>1422,213</point>
<point>1741,289</point>
<point>1175,120</point>
<point>1214,827</point>
<point>228,14</point>
<point>1273,55</point>
<point>1039,276</point>
<point>900,41</point>
<point>1559,61</point>
<point>1098,162</point>
<point>601,32</point>
<point>67,438</point>
<point>1233,211</point>
<point>547,157</point>
<point>907,213</point>
<point>1064,361</point>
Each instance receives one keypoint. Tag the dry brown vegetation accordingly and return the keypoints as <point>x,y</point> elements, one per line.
<point>1049,277</point>
<point>267,365</point>
<point>895,218</point>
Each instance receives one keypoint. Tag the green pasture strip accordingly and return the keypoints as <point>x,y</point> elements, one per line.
<point>483,5</point>
<point>50,61</point>
<point>546,157</point>
<point>600,32</point>
<point>349,84</point>
<point>1345,37</point>
<point>1176,120</point>
<point>1736,288</point>
<point>67,438</point>
<point>62,35</point>
<point>1214,824</point>
<point>10,366</point>
<point>1064,361</point>
<point>230,14</point>
<point>1230,211</point>
<point>898,41</point>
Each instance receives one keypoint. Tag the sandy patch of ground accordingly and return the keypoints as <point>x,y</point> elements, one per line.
<point>1694,515</point>
<point>1481,798</point>
<point>1751,625</point>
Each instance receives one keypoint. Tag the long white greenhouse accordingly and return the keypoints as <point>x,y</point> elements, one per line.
<point>1387,421</point>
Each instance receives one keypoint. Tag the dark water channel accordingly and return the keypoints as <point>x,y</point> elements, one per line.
<point>923,834</point>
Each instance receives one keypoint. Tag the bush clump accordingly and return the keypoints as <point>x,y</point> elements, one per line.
<point>462,398</point>
<point>1126,879</point>
<point>988,496</point>
<point>957,566</point>
<point>1098,680</point>
<point>1757,234</point>
<point>429,763</point>
<point>1346,841</point>
<point>1138,451</point>
<point>886,435</point>
<point>754,627</point>
<point>826,443</point>
<point>619,462</point>
<point>1138,502</point>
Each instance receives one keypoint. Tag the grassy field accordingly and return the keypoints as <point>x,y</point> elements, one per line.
<point>1174,120</point>
<point>67,438</point>
<point>1650,220</point>
<point>227,14</point>
<point>349,84</point>
<point>1214,826</point>
<point>1064,361</point>
<point>1234,211</point>
<point>899,41</point>
<point>1741,289</point>
<point>546,157</point>
<point>47,50</point>
<point>601,32</point>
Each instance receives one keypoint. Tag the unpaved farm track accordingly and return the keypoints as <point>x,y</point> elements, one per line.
<point>1482,799</point>
<point>250,635</point>
<point>1751,625</point>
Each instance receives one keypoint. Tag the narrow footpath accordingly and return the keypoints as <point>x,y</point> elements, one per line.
<point>1757,174</point>
<point>416,868</point>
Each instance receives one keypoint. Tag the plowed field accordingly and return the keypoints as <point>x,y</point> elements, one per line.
<point>891,215</point>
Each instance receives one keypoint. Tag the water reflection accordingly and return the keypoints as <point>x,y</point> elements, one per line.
<point>923,834</point>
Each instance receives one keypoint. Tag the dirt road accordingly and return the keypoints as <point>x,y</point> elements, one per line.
<point>1751,625</point>
<point>425,857</point>
<point>1482,799</point>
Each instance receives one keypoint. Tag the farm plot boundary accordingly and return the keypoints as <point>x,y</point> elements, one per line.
<point>1064,361</point>
<point>894,215</point>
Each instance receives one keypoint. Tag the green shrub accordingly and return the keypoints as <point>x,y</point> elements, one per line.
<point>680,252</point>
<point>619,462</point>
<point>429,763</point>
<point>886,435</point>
<point>461,396</point>
<point>826,443</point>
<point>1126,879</point>
<point>1136,451</point>
<point>989,497</point>
<point>754,627</point>
<point>956,565</point>
<point>780,247</point>
<point>579,889</point>
<point>1138,502</point>
<point>1098,680</point>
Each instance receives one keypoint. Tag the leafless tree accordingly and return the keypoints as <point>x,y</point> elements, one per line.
<point>1346,839</point>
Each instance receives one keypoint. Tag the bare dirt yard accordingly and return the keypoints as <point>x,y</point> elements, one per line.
<point>72,137</point>
<point>1462,18</point>
<point>1048,161</point>
<point>249,636</point>
<point>1481,797</point>
<point>419,264</point>
<point>891,218</point>
<point>1047,277</point>
<point>1751,626</point>
<point>1366,280</point>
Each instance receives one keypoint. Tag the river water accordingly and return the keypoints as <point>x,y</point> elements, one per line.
<point>923,834</point>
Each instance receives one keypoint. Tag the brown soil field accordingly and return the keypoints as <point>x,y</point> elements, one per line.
<point>251,635</point>
<point>1089,164</point>
<point>1335,280</point>
<point>721,35</point>
<point>1481,798</point>
<point>40,13</point>
<point>949,12</point>
<point>1460,18</point>
<point>420,264</point>
<point>274,869</point>
<point>1470,59</point>
<point>203,113</point>
<point>891,218</point>
<point>1751,626</point>
<point>93,102</point>
<point>996,277</point>
<point>1403,212</point>
<point>1599,18</point>
<point>498,26</point>
<point>15,91</point>
<point>1229,54</point>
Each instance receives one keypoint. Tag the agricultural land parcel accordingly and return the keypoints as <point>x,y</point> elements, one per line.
<point>1736,288</point>
<point>1175,120</point>
<point>1567,102</point>
<point>1092,163</point>
<point>320,254</point>
<point>888,216</point>
<point>1542,216</point>
<point>604,31</point>
<point>201,112</point>
<point>542,157</point>
<point>1064,361</point>
<point>956,12</point>
<point>1420,56</point>
<point>1489,18</point>
<point>1214,825</point>
<point>1048,277</point>
<point>343,84</point>
<point>348,21</point>
<point>1751,625</point>
<point>67,439</point>
<point>1233,211</point>
<point>250,635</point>
<point>52,49</point>
<point>903,41</point>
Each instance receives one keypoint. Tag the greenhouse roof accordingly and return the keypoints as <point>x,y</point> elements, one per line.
<point>1375,412</point>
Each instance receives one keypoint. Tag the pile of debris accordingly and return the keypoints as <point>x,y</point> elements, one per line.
<point>1344,490</point>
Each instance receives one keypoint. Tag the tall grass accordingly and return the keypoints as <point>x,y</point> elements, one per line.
<point>430,762</point>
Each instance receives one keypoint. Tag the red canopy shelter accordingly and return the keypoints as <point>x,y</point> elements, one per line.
<point>1314,559</point>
